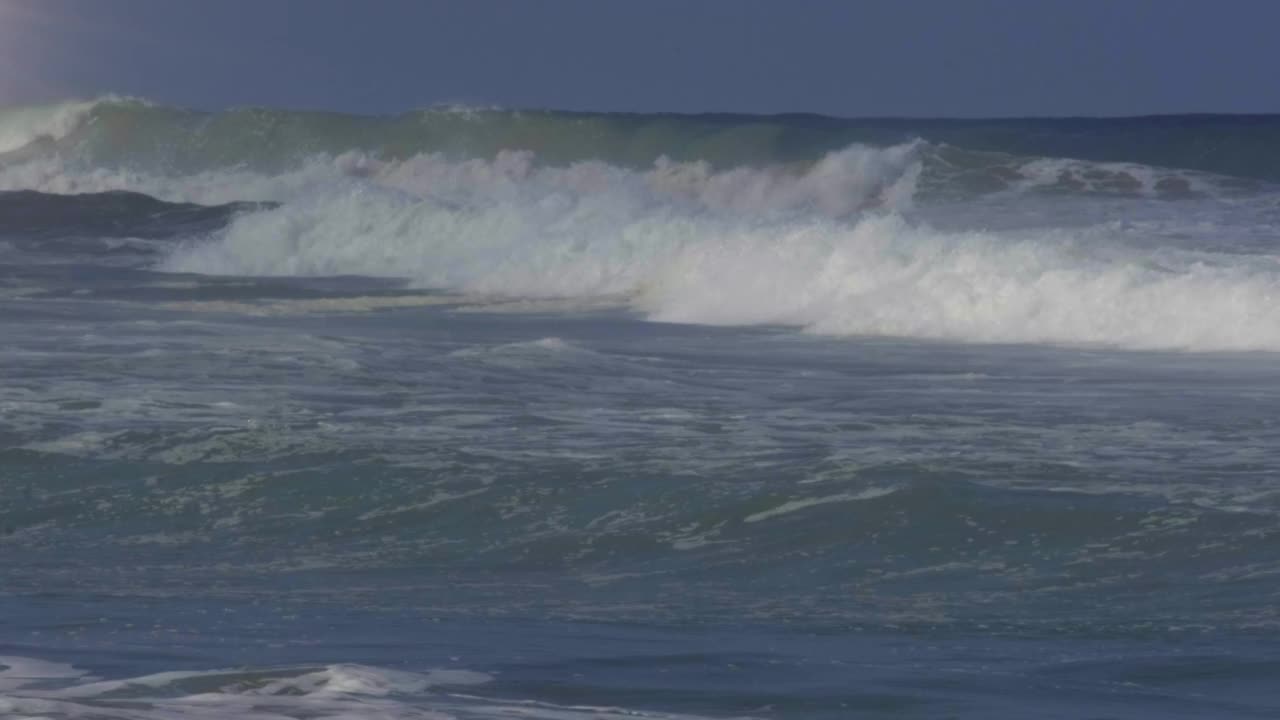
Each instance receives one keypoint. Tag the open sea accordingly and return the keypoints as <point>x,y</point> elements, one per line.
<point>476,413</point>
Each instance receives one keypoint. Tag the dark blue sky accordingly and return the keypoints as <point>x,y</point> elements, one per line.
<point>853,58</point>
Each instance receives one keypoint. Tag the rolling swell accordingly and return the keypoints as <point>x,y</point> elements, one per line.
<point>140,135</point>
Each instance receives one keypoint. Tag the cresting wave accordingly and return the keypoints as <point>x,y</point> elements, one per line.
<point>880,274</point>
<point>711,219</point>
<point>20,127</point>
<point>828,250</point>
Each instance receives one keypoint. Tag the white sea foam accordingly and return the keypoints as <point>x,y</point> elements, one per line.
<point>19,672</point>
<point>825,248</point>
<point>704,255</point>
<point>806,503</point>
<point>336,691</point>
<point>1112,177</point>
<point>840,183</point>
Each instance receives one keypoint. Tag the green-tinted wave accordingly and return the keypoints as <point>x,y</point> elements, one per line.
<point>138,134</point>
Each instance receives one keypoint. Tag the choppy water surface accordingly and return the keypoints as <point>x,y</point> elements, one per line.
<point>483,414</point>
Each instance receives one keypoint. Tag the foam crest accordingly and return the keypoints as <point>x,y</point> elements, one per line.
<point>1102,178</point>
<point>886,276</point>
<point>841,183</point>
<point>21,126</point>
<point>20,672</point>
<point>685,244</point>
<point>504,227</point>
<point>336,691</point>
<point>125,132</point>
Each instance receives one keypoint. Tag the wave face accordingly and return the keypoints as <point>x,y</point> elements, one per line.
<point>1145,233</point>
<point>143,135</point>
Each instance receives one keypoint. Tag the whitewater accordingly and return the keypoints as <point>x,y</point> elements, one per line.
<point>473,412</point>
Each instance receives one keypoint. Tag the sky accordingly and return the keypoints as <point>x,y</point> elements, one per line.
<point>930,58</point>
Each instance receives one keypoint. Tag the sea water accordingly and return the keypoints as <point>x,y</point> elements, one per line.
<point>476,413</point>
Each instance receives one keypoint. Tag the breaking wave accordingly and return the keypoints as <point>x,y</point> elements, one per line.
<point>22,127</point>
<point>829,250</point>
<point>924,229</point>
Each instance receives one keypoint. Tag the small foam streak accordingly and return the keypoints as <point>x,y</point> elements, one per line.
<point>806,503</point>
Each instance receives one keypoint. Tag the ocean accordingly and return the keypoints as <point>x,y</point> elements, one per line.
<point>482,413</point>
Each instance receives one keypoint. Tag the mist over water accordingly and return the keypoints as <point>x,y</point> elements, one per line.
<point>483,413</point>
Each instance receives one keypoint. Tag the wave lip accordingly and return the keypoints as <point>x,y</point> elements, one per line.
<point>22,126</point>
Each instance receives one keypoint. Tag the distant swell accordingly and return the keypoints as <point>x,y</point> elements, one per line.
<point>138,136</point>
